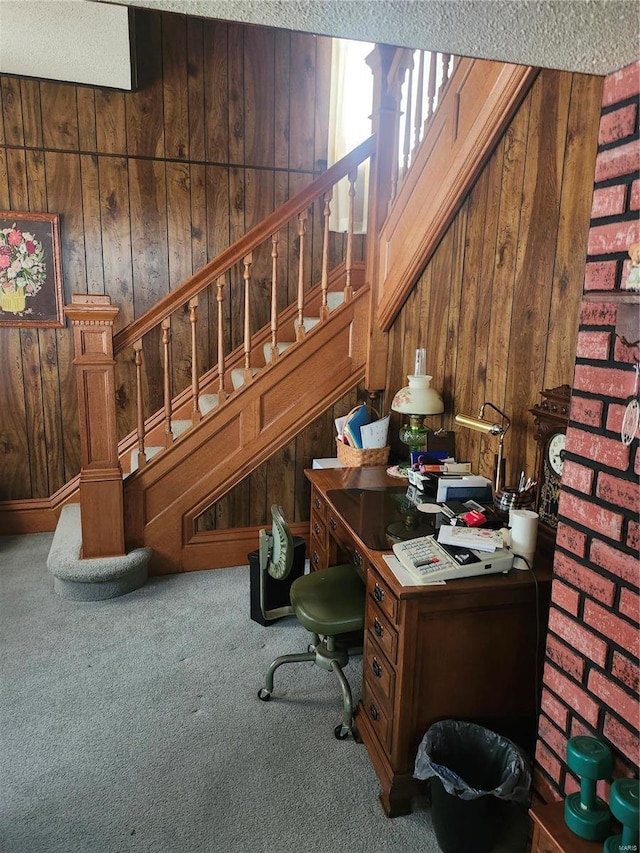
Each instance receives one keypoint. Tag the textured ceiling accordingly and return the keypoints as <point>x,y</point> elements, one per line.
<point>591,36</point>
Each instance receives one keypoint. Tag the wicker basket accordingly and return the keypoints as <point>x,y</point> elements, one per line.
<point>353,457</point>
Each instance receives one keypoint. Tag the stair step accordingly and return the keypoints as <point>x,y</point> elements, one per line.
<point>237,376</point>
<point>207,402</point>
<point>308,323</point>
<point>334,299</point>
<point>282,346</point>
<point>94,579</point>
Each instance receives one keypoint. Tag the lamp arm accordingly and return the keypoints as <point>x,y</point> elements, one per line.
<point>495,409</point>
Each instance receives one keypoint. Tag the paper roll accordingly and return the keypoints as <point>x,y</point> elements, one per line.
<point>524,532</point>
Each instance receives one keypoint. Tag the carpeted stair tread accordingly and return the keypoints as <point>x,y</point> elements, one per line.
<point>93,579</point>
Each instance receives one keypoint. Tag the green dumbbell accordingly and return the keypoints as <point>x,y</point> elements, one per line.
<point>586,814</point>
<point>624,804</point>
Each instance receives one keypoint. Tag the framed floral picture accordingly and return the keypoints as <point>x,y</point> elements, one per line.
<point>30,270</point>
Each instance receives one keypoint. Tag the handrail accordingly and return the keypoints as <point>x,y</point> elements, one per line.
<point>242,247</point>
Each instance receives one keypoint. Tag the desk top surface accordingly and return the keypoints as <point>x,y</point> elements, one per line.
<point>366,515</point>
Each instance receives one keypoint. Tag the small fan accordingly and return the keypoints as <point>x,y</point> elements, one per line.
<point>631,417</point>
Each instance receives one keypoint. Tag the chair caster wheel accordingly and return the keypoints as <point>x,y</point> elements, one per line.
<point>341,732</point>
<point>264,694</point>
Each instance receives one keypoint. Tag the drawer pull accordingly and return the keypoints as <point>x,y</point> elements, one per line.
<point>316,528</point>
<point>377,669</point>
<point>315,559</point>
<point>332,524</point>
<point>375,714</point>
<point>377,627</point>
<point>357,558</point>
<point>378,592</point>
<point>317,503</point>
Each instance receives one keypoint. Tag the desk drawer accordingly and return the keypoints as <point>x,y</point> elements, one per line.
<point>379,629</point>
<point>318,505</point>
<point>378,672</point>
<point>382,595</point>
<point>377,716</point>
<point>342,537</point>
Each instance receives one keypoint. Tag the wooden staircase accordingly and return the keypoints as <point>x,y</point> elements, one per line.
<point>254,400</point>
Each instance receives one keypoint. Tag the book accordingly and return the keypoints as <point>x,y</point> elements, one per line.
<point>478,538</point>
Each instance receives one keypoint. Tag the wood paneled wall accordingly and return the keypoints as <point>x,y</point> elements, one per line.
<point>498,304</point>
<point>228,122</point>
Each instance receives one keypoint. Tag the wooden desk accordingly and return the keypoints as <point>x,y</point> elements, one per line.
<point>466,650</point>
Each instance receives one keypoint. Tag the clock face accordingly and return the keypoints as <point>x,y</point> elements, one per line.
<point>555,452</point>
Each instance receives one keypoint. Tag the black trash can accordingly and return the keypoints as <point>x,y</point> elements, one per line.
<point>269,598</point>
<point>475,774</point>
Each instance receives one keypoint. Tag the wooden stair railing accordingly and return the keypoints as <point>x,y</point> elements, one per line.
<point>219,384</point>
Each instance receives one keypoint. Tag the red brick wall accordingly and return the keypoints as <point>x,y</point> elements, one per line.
<point>591,666</point>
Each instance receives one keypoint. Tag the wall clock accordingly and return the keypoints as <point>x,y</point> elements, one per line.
<point>551,416</point>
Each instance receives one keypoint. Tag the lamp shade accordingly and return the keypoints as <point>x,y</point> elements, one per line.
<point>418,398</point>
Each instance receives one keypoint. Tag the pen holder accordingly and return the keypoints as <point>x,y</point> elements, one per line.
<point>508,499</point>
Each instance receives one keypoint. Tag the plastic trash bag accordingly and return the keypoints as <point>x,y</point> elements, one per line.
<point>473,762</point>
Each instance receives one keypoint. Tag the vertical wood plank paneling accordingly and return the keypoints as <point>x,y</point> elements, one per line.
<point>30,357</point>
<point>87,129</point>
<point>110,118</point>
<point>195,84</point>
<point>301,109</point>
<point>58,101</point>
<point>116,235</point>
<point>52,406</point>
<point>92,223</point>
<point>216,92</point>
<point>235,101</point>
<point>12,111</point>
<point>64,192</point>
<point>571,253</point>
<point>282,102</point>
<point>535,257</point>
<point>15,471</point>
<point>175,88</point>
<point>144,108</point>
<point>31,113</point>
<point>259,96</point>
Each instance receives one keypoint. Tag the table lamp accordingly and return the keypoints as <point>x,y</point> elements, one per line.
<point>417,400</point>
<point>489,428</point>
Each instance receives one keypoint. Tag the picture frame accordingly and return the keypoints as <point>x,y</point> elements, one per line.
<point>30,269</point>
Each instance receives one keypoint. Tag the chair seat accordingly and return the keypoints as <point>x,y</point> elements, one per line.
<point>330,601</point>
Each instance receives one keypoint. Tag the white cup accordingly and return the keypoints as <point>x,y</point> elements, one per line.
<point>523,535</point>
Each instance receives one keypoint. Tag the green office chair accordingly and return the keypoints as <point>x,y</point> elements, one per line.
<point>329,603</point>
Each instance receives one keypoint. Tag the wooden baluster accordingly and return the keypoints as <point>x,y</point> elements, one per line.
<point>417,123</point>
<point>274,296</point>
<point>324,307</point>
<point>246,275</point>
<point>302,229</point>
<point>166,346</point>
<point>431,85</point>
<point>195,370</point>
<point>348,289</point>
<point>142,457</point>
<point>406,146</point>
<point>446,59</point>
<point>222,394</point>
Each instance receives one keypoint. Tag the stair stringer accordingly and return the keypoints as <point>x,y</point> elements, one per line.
<point>163,500</point>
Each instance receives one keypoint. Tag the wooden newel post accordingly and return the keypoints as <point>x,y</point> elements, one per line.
<point>101,501</point>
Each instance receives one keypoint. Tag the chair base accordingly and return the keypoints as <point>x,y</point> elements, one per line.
<point>329,655</point>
